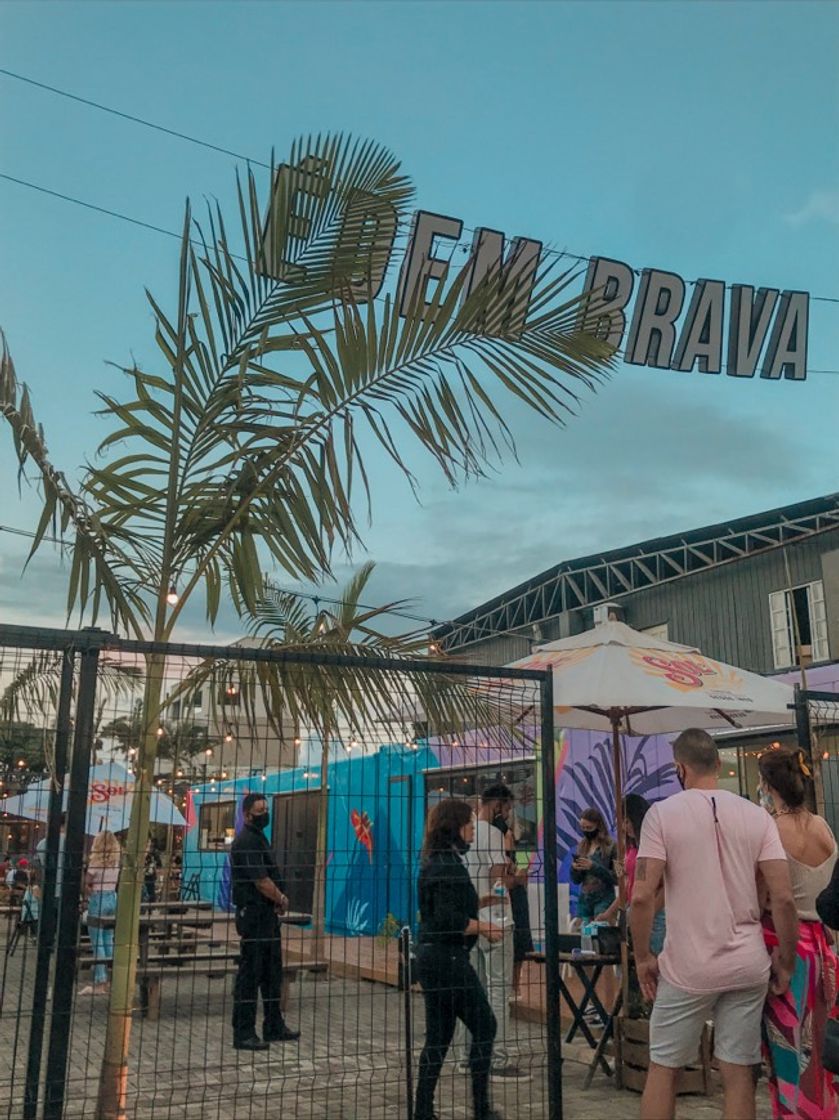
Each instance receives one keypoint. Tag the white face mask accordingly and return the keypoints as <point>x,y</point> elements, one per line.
<point>766,799</point>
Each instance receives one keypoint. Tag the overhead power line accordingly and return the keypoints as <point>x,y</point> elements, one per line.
<point>88,205</point>
<point>129,117</point>
<point>218,148</point>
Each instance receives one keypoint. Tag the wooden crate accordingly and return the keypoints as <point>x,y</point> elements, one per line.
<point>632,1059</point>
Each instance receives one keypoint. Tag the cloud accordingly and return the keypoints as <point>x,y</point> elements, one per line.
<point>820,206</point>
<point>648,456</point>
<point>642,460</point>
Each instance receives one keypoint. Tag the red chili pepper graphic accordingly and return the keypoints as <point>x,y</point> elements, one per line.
<point>363,828</point>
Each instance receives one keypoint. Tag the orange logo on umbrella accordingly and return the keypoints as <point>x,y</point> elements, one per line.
<point>686,672</point>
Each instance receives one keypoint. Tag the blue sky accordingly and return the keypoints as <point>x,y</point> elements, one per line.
<point>699,138</point>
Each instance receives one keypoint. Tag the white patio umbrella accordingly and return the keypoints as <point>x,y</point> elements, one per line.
<point>617,679</point>
<point>109,797</point>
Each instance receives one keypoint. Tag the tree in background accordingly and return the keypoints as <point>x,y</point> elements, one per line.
<point>22,743</point>
<point>244,444</point>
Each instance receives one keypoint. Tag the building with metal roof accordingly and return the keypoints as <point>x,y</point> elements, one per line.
<point>748,592</point>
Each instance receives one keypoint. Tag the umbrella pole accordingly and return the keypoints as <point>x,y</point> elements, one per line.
<point>621,839</point>
<point>621,842</point>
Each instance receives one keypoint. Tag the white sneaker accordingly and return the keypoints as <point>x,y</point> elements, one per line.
<point>509,1073</point>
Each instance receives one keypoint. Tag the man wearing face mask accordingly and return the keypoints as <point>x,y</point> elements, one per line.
<point>489,866</point>
<point>259,897</point>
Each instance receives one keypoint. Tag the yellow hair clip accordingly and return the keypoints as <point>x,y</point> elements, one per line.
<point>802,765</point>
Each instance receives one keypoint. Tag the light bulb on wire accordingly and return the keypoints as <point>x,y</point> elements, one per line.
<point>172,595</point>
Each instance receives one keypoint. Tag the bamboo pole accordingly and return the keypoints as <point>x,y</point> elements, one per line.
<point>113,1084</point>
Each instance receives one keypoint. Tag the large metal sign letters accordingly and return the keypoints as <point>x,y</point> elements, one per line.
<point>653,318</point>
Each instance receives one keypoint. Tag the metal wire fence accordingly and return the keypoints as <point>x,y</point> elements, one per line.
<point>349,755</point>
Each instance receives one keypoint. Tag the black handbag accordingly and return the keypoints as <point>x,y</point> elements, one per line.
<point>830,1046</point>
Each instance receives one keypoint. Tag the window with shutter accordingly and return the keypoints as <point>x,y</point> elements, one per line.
<point>781,628</point>
<point>798,617</point>
<point>818,622</point>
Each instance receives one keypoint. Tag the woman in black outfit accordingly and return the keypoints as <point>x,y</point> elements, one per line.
<point>449,927</point>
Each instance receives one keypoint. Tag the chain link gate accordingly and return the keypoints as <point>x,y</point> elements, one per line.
<point>346,830</point>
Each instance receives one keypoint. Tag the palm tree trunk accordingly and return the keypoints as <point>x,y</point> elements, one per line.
<point>112,1100</point>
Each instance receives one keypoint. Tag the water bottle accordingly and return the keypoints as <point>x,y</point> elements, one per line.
<point>587,939</point>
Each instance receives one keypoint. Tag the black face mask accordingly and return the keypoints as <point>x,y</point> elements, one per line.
<point>589,833</point>
<point>260,821</point>
<point>500,823</point>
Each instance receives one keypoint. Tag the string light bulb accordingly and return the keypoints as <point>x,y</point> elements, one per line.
<point>172,595</point>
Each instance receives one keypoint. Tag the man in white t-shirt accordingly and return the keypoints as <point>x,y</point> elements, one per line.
<point>488,864</point>
<point>710,848</point>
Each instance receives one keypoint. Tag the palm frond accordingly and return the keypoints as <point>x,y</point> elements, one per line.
<point>33,692</point>
<point>278,369</point>
<point>93,571</point>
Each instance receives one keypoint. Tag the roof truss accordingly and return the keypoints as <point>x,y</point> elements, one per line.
<point>577,584</point>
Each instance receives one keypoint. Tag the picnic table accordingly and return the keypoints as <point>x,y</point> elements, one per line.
<point>177,938</point>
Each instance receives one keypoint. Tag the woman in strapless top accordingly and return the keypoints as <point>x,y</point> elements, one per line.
<point>794,1023</point>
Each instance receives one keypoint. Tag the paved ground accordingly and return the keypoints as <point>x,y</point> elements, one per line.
<point>349,1065</point>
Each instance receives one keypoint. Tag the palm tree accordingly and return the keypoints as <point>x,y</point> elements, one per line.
<point>282,619</point>
<point>244,444</point>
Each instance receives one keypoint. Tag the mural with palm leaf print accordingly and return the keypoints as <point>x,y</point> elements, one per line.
<point>587,781</point>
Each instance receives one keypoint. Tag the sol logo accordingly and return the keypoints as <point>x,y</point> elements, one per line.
<point>680,671</point>
<point>687,672</point>
<point>100,791</point>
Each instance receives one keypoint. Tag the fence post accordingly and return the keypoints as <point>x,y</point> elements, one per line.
<point>407,981</point>
<point>804,734</point>
<point>47,923</point>
<point>552,976</point>
<point>71,882</point>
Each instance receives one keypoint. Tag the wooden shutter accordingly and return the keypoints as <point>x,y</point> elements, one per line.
<point>779,619</point>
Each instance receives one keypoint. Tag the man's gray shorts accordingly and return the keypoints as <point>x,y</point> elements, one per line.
<point>678,1018</point>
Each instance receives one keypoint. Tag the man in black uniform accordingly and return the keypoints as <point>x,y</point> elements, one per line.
<point>258,897</point>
